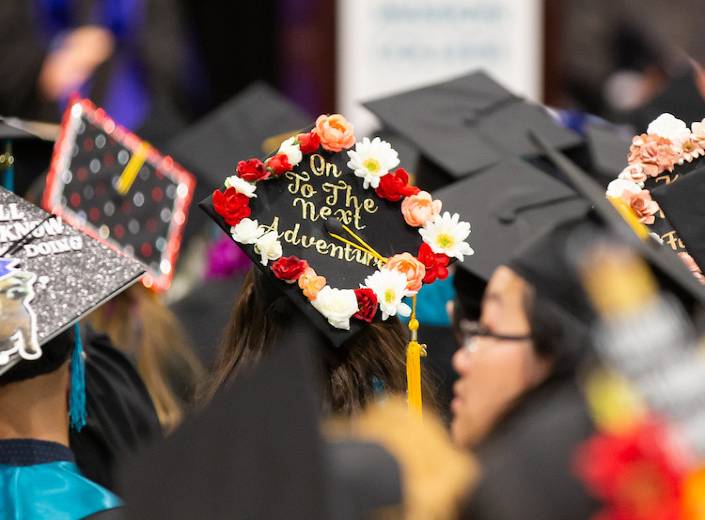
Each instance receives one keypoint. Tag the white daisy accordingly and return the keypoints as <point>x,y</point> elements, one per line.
<point>268,247</point>
<point>241,186</point>
<point>670,127</point>
<point>337,305</point>
<point>247,231</point>
<point>446,234</point>
<point>390,288</point>
<point>372,160</point>
<point>292,150</point>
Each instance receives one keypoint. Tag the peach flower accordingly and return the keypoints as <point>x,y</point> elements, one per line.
<point>410,267</point>
<point>655,153</point>
<point>635,173</point>
<point>311,283</point>
<point>643,206</point>
<point>336,132</point>
<point>420,208</point>
<point>692,266</point>
<point>691,150</point>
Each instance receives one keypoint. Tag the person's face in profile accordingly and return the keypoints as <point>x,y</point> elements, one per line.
<point>496,361</point>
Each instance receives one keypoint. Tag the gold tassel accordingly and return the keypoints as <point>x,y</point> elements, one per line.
<point>414,352</point>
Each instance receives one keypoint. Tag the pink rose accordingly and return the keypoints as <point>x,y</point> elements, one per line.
<point>420,208</point>
<point>655,153</point>
<point>634,172</point>
<point>642,205</point>
<point>335,131</point>
<point>410,267</point>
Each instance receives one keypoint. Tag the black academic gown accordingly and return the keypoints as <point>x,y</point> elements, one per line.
<point>527,460</point>
<point>120,413</point>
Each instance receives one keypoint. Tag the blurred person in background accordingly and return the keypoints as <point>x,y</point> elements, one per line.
<point>128,56</point>
<point>142,327</point>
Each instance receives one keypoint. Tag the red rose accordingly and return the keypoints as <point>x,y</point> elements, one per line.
<point>278,164</point>
<point>308,143</point>
<point>252,170</point>
<point>289,268</point>
<point>436,264</point>
<point>231,205</point>
<point>366,304</point>
<point>395,185</point>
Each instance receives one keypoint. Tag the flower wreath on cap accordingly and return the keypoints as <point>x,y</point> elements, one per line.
<point>653,158</point>
<point>372,160</point>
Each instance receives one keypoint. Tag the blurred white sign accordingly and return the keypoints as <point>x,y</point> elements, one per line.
<point>387,46</point>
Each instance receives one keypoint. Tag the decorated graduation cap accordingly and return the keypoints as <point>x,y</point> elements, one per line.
<point>335,222</point>
<point>548,261</point>
<point>661,182</point>
<point>466,124</point>
<point>119,189</point>
<point>51,275</point>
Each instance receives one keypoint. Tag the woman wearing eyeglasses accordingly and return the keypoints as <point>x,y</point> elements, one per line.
<point>516,404</point>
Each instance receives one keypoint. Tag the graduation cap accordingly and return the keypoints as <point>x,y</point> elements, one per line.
<point>548,262</point>
<point>278,468</point>
<point>339,230</point>
<point>607,145</point>
<point>119,189</point>
<point>238,128</point>
<point>34,141</point>
<point>464,125</point>
<point>51,275</point>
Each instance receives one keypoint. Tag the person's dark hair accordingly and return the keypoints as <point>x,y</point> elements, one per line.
<point>372,359</point>
<point>555,334</point>
<point>55,352</point>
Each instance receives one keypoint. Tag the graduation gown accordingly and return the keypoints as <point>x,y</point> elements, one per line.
<point>40,480</point>
<point>527,460</point>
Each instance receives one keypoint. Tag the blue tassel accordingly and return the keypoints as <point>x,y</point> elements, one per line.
<point>77,397</point>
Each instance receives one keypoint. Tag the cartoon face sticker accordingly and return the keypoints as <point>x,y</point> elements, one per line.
<point>18,323</point>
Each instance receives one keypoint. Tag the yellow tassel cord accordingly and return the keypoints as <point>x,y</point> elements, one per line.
<point>132,168</point>
<point>414,350</point>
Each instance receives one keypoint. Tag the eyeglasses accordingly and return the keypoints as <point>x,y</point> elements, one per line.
<point>469,330</point>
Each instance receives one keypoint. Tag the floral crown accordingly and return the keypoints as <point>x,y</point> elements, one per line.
<point>375,162</point>
<point>666,151</point>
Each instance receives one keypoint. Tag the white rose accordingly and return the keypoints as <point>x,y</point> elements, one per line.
<point>292,150</point>
<point>241,186</point>
<point>268,247</point>
<point>337,305</point>
<point>670,127</point>
<point>618,186</point>
<point>247,231</point>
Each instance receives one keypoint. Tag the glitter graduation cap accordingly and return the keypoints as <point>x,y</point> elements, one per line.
<point>336,222</point>
<point>51,275</point>
<point>119,189</point>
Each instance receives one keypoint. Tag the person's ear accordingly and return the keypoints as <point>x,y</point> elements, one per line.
<point>450,309</point>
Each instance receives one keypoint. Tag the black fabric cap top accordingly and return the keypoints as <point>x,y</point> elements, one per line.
<point>120,190</point>
<point>608,145</point>
<point>326,210</point>
<point>508,204</point>
<point>51,275</point>
<point>469,123</point>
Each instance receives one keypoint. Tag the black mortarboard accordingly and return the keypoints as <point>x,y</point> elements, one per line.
<point>255,452</point>
<point>681,201</point>
<point>51,275</point>
<point>119,189</point>
<point>548,262</point>
<point>608,146</point>
<point>237,129</point>
<point>18,129</point>
<point>322,212</point>
<point>467,124</point>
<point>508,204</point>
